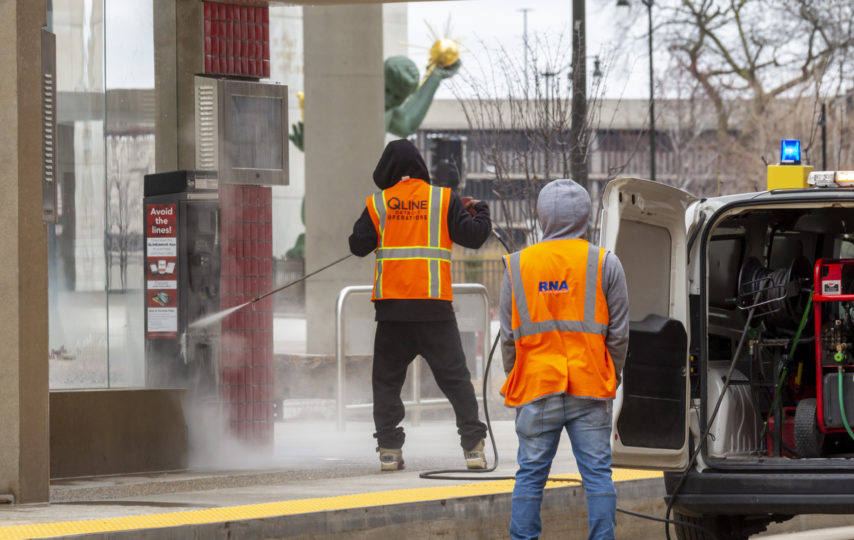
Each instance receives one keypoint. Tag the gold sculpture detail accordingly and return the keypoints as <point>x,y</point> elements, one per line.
<point>444,53</point>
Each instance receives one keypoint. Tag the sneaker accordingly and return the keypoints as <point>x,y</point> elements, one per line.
<point>391,459</point>
<point>475,458</point>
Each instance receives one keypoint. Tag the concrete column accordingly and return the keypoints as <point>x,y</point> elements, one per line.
<point>178,57</point>
<point>344,130</point>
<point>24,436</point>
<point>165,86</point>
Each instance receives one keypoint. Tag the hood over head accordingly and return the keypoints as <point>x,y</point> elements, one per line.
<point>400,158</point>
<point>563,209</point>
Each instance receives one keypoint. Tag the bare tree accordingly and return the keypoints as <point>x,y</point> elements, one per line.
<point>763,66</point>
<point>517,105</point>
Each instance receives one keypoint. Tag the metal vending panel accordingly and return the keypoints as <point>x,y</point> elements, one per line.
<point>182,268</point>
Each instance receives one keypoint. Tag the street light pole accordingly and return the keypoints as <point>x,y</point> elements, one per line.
<point>648,4</point>
<point>525,42</point>
<point>549,114</point>
<point>578,118</point>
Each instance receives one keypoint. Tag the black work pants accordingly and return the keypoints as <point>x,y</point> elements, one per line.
<point>396,345</point>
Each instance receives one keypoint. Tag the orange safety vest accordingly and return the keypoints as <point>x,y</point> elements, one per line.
<point>414,248</point>
<point>560,321</point>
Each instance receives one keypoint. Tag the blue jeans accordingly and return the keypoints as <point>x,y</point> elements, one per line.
<point>539,425</point>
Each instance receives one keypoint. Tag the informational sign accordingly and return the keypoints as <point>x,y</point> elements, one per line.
<point>161,270</point>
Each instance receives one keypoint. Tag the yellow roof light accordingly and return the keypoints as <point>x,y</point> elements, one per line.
<point>844,177</point>
<point>831,179</point>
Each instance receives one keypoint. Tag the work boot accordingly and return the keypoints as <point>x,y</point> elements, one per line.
<point>391,459</point>
<point>475,458</point>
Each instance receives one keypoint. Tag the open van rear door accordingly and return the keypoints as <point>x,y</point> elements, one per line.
<point>643,223</point>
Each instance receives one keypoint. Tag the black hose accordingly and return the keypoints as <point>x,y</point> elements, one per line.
<point>442,473</point>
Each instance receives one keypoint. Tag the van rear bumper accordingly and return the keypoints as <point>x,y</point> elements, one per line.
<point>740,493</point>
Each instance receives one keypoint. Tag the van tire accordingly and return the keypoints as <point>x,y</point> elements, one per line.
<point>719,527</point>
<point>809,440</point>
<point>689,533</point>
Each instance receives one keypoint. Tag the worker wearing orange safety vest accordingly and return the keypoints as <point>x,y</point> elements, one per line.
<point>411,225</point>
<point>564,335</point>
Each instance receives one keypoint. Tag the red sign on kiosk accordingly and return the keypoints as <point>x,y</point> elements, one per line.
<point>161,270</point>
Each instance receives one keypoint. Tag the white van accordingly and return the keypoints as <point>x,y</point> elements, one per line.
<point>739,381</point>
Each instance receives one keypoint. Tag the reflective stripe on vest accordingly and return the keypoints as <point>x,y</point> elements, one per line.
<point>379,209</point>
<point>414,253</point>
<point>530,328</point>
<point>433,254</point>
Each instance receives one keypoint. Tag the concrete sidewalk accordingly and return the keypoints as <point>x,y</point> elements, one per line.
<point>320,483</point>
<point>326,483</point>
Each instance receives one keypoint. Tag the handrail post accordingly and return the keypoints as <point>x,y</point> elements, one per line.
<point>339,357</point>
<point>486,338</point>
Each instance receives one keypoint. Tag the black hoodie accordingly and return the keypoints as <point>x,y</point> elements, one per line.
<point>400,158</point>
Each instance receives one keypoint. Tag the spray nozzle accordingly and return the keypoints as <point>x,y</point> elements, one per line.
<point>183,342</point>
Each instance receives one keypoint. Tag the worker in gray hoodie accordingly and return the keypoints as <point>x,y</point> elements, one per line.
<point>564,335</point>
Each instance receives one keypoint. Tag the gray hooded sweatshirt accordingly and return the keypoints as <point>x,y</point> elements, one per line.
<point>563,209</point>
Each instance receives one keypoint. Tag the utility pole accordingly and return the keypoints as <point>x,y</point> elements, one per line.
<point>822,121</point>
<point>578,117</point>
<point>648,4</point>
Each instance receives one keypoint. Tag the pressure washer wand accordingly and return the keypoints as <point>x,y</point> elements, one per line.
<point>305,277</point>
<point>216,317</point>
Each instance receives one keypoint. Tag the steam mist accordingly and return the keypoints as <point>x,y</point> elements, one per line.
<point>304,436</point>
<point>305,439</point>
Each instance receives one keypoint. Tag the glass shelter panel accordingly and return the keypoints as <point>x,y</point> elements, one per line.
<point>77,271</point>
<point>105,145</point>
<point>129,140</point>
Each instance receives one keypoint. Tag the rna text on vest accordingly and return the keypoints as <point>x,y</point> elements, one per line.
<point>553,286</point>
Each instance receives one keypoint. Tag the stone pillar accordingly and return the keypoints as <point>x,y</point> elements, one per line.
<point>24,435</point>
<point>344,130</point>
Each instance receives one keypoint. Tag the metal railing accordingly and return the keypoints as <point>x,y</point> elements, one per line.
<point>354,336</point>
<point>487,272</point>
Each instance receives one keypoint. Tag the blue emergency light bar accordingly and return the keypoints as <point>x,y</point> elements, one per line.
<point>790,152</point>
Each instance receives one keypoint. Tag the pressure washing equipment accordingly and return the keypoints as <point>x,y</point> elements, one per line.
<point>780,295</point>
<point>834,356</point>
<point>829,294</point>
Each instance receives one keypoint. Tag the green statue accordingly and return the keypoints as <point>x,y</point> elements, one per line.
<point>406,102</point>
<point>298,251</point>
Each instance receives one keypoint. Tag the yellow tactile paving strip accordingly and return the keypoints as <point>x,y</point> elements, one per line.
<point>282,508</point>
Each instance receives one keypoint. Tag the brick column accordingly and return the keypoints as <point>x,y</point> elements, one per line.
<point>246,383</point>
